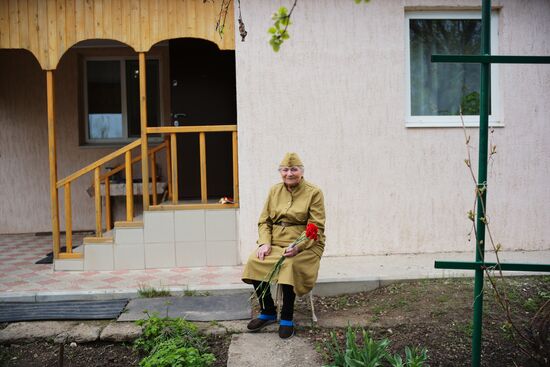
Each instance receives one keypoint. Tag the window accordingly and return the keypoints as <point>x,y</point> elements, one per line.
<point>112,111</point>
<point>436,92</point>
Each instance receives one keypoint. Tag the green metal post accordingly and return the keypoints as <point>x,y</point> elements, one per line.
<point>482,181</point>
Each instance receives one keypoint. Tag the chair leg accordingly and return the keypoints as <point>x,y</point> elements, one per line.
<point>278,298</point>
<point>313,316</point>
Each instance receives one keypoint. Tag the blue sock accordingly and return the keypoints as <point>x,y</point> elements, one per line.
<point>267,317</point>
<point>286,323</point>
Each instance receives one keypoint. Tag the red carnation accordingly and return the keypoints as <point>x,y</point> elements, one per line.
<point>312,231</point>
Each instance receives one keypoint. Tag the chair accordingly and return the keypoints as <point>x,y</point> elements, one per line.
<point>279,296</point>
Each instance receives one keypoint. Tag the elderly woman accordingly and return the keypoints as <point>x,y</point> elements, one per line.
<point>289,207</point>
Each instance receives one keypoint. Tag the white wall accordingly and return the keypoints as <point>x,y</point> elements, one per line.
<point>335,94</point>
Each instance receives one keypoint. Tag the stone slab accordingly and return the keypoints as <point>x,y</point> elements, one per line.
<point>26,332</point>
<point>81,333</point>
<point>268,350</point>
<point>193,308</point>
<point>121,332</point>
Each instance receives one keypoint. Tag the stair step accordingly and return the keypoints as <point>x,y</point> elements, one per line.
<point>71,255</point>
<point>69,264</point>
<point>126,224</point>
<point>98,240</point>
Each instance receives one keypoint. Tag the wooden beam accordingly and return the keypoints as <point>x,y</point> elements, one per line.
<point>192,206</point>
<point>136,159</point>
<point>202,148</point>
<point>154,177</point>
<point>68,219</point>
<point>235,168</point>
<point>108,219</point>
<point>133,224</point>
<point>129,187</point>
<point>71,255</point>
<point>52,155</point>
<point>168,166</point>
<point>98,163</point>
<point>97,199</point>
<point>174,158</point>
<point>143,120</point>
<point>191,129</point>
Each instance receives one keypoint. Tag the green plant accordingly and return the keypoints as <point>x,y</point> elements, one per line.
<point>414,357</point>
<point>174,353</point>
<point>370,354</point>
<point>145,291</point>
<point>157,330</point>
<point>279,29</point>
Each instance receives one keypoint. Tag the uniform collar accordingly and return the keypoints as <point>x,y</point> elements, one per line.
<point>296,188</point>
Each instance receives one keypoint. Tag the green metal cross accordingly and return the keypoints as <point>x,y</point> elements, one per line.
<point>479,265</point>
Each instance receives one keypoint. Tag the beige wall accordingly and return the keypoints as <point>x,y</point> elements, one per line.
<point>335,93</point>
<point>24,171</point>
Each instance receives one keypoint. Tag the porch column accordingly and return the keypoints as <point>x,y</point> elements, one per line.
<point>143,120</point>
<point>54,213</point>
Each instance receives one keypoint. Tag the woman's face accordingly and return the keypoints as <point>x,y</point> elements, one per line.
<point>291,175</point>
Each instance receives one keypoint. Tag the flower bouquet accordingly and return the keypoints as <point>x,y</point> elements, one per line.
<point>311,232</point>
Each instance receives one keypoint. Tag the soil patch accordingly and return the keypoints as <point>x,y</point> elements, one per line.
<point>435,314</point>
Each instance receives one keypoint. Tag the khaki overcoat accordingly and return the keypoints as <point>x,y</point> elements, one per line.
<point>283,219</point>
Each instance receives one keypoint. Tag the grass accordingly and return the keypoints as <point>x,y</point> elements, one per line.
<point>146,291</point>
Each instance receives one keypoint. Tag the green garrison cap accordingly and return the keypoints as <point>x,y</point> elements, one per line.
<point>290,160</point>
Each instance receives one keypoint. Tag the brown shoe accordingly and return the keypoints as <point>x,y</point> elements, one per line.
<point>286,332</point>
<point>258,324</point>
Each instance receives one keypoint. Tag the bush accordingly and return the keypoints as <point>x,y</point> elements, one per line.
<point>173,353</point>
<point>157,330</point>
<point>172,342</point>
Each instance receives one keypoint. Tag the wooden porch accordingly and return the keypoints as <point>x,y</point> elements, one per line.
<point>48,29</point>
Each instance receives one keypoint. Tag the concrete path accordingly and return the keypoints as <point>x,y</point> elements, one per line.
<point>193,308</point>
<point>268,350</point>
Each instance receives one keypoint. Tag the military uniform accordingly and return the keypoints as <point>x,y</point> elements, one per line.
<point>283,219</point>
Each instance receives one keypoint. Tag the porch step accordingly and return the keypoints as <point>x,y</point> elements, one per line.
<point>162,239</point>
<point>96,240</point>
<point>68,264</point>
<point>127,224</point>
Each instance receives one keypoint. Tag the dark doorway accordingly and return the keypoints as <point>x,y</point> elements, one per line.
<point>203,92</point>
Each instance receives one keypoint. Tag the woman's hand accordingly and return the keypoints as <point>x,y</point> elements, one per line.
<point>263,251</point>
<point>291,251</point>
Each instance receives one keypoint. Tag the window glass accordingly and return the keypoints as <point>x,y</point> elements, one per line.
<point>104,100</point>
<point>439,89</point>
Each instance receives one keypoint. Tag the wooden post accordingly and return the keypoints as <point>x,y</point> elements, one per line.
<point>143,120</point>
<point>108,219</point>
<point>174,158</point>
<point>68,219</point>
<point>97,197</point>
<point>202,148</point>
<point>154,177</point>
<point>52,155</point>
<point>168,166</point>
<point>129,187</point>
<point>235,168</point>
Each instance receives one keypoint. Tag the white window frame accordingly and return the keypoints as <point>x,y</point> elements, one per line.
<point>452,121</point>
<point>122,60</point>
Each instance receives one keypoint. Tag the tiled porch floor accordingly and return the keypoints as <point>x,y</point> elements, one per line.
<point>19,273</point>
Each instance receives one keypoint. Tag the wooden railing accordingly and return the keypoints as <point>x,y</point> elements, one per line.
<point>98,178</point>
<point>170,146</point>
<point>171,131</point>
